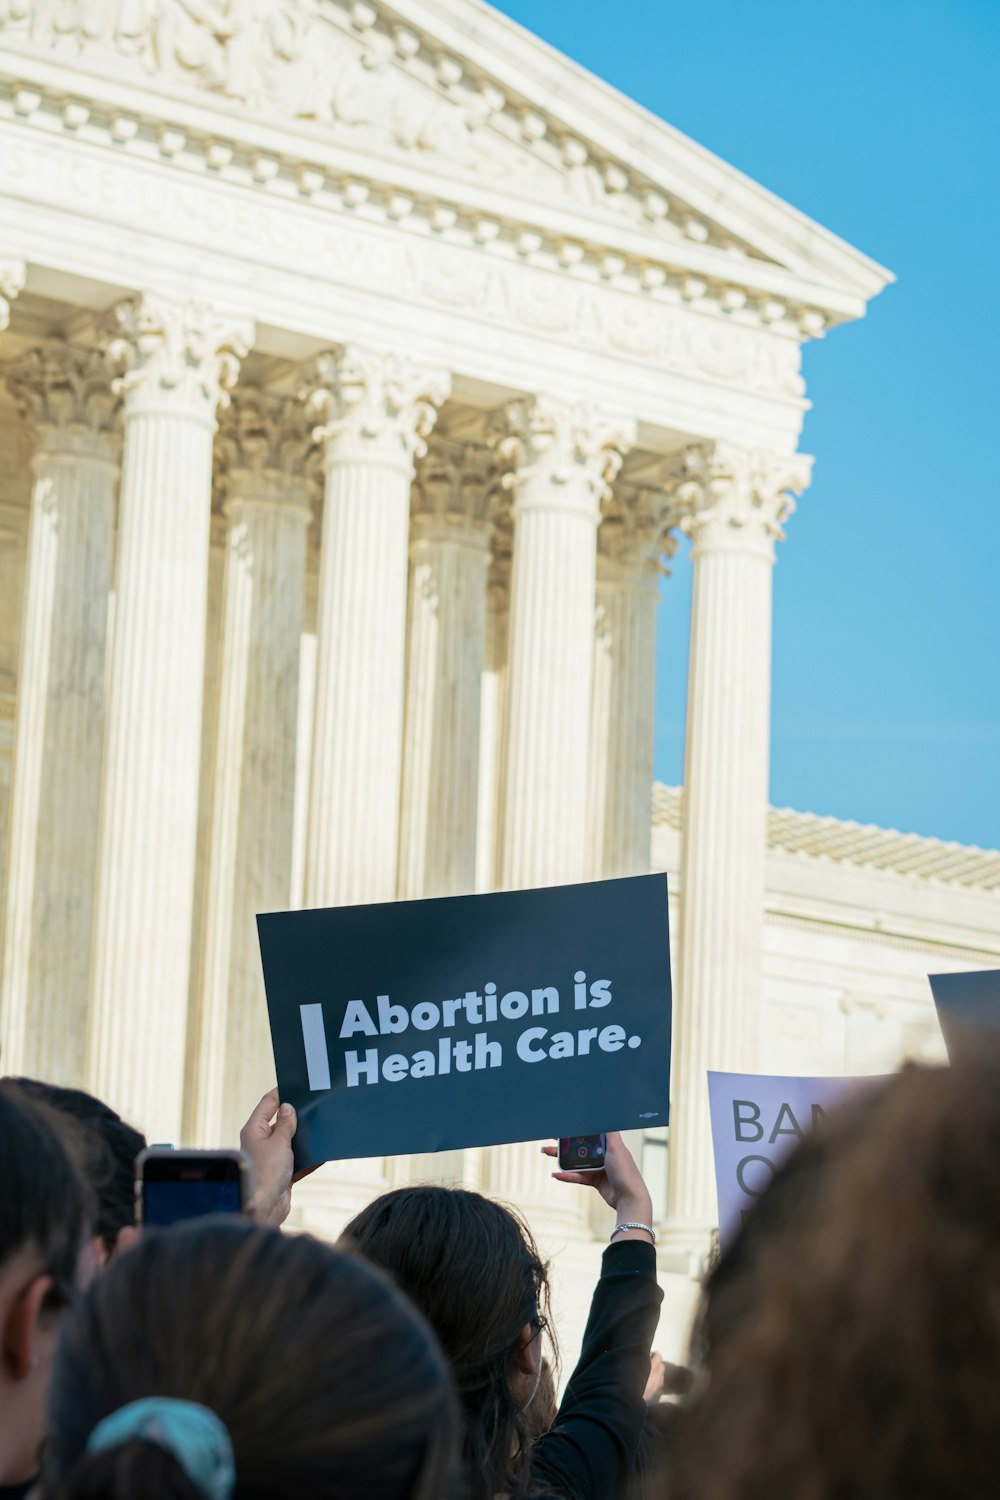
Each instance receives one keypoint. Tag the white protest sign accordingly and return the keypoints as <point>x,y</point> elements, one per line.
<point>756,1120</point>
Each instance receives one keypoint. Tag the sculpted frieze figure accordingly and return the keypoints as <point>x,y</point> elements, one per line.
<point>305,59</point>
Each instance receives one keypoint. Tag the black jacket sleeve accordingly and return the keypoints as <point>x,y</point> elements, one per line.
<point>590,1448</point>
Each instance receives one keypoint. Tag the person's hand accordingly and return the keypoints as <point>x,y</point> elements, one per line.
<point>267,1140</point>
<point>654,1384</point>
<point>620,1184</point>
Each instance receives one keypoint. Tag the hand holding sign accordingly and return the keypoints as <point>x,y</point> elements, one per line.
<point>471,1020</point>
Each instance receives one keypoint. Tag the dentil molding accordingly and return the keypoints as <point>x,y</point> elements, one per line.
<point>354,69</point>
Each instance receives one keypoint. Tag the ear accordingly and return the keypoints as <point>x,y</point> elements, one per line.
<point>527,1355</point>
<point>20,1331</point>
<point>125,1240</point>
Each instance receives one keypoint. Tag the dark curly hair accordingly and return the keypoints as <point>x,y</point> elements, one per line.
<point>863,1360</point>
<point>473,1269</point>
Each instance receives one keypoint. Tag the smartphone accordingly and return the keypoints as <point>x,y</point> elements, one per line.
<point>581,1153</point>
<point>174,1185</point>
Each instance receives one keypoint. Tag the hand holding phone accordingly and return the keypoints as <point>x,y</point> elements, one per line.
<point>582,1153</point>
<point>620,1183</point>
<point>174,1185</point>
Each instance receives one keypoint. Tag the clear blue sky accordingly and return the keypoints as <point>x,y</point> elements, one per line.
<point>879,119</point>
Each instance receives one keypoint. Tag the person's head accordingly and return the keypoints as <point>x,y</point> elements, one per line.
<point>327,1381</point>
<point>792,1196</point>
<point>106,1148</point>
<point>474,1271</point>
<point>866,1354</point>
<point>44,1223</point>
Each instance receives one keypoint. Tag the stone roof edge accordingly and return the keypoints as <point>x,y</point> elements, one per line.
<point>864,845</point>
<point>622,125</point>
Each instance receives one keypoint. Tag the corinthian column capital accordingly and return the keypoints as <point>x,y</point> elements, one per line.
<point>734,498</point>
<point>262,452</point>
<point>453,488</point>
<point>558,450</point>
<point>174,356</point>
<point>637,531</point>
<point>66,393</point>
<point>374,405</point>
<point>11,282</point>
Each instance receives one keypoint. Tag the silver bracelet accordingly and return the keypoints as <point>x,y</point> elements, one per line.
<point>647,1228</point>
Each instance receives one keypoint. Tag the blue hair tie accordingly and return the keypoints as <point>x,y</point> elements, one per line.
<point>193,1434</point>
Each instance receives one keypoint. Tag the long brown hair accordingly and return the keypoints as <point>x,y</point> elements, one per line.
<point>473,1269</point>
<point>330,1385</point>
<point>865,1361</point>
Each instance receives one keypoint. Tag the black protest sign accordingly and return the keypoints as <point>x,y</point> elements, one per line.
<point>967,1006</point>
<point>431,1025</point>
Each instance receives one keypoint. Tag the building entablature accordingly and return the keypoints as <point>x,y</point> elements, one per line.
<point>369,182</point>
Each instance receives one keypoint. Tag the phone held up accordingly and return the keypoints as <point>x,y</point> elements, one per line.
<point>174,1185</point>
<point>581,1153</point>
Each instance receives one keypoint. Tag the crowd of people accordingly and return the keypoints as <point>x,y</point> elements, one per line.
<point>845,1348</point>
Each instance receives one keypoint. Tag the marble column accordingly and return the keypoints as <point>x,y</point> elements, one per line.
<point>449,554</point>
<point>65,394</point>
<point>191,1115</point>
<point>632,540</point>
<point>563,458</point>
<point>179,360</point>
<point>376,410</point>
<point>493,694</point>
<point>12,273</point>
<point>262,446</point>
<point>734,502</point>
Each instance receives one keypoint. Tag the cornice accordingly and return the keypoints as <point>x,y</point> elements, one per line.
<point>863,846</point>
<point>881,937</point>
<point>526,65</point>
<point>99,99</point>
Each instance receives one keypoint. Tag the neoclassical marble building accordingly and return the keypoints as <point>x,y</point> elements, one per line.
<point>362,364</point>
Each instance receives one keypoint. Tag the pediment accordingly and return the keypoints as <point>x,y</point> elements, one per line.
<point>451,86</point>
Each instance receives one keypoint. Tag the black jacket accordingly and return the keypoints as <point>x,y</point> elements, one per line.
<point>590,1449</point>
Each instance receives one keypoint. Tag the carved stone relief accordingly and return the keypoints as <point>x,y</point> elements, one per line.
<point>350,70</point>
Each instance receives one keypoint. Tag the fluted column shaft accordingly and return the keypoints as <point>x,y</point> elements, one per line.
<point>492,717</point>
<point>563,458</point>
<point>250,858</point>
<point>60,712</point>
<point>376,410</point>
<point>180,360</point>
<point>634,534</point>
<point>621,767</point>
<point>449,552</point>
<point>736,502</point>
